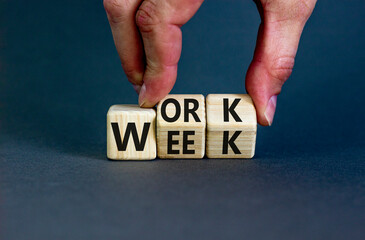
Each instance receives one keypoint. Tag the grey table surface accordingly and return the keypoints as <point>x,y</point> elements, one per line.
<point>59,73</point>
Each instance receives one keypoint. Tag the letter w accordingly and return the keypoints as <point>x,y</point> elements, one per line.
<point>131,127</point>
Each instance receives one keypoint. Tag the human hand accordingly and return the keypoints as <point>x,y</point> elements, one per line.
<point>148,39</point>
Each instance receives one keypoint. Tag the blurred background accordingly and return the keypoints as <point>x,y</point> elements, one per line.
<point>60,72</point>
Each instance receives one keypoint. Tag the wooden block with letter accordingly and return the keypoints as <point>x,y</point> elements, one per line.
<point>131,133</point>
<point>181,126</point>
<point>231,126</point>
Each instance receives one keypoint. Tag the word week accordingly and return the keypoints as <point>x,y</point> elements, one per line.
<point>184,126</point>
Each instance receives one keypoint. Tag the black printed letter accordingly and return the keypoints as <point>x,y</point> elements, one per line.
<point>187,142</point>
<point>191,111</point>
<point>171,142</point>
<point>163,110</point>
<point>230,110</point>
<point>231,143</point>
<point>131,127</point>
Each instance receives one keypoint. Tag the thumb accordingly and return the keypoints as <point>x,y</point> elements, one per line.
<point>276,47</point>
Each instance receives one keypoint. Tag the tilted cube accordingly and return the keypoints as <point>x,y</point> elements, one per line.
<point>231,126</point>
<point>181,126</point>
<point>131,133</point>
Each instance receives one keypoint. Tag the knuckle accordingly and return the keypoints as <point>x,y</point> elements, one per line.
<point>147,16</point>
<point>117,10</point>
<point>282,68</point>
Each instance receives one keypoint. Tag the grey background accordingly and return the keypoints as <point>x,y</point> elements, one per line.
<point>59,73</point>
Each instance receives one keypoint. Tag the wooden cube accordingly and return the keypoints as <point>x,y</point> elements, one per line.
<point>131,133</point>
<point>181,126</point>
<point>231,126</point>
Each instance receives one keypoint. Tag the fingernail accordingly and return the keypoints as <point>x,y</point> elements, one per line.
<point>270,109</point>
<point>137,88</point>
<point>141,99</point>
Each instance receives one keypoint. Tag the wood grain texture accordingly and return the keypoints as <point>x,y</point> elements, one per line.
<point>231,117</point>
<point>185,123</point>
<point>126,117</point>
